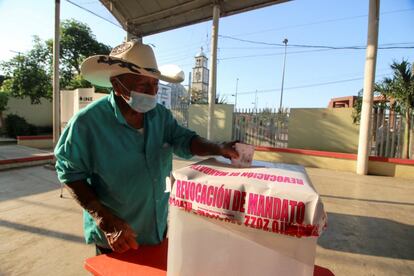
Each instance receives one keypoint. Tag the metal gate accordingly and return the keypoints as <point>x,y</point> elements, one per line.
<point>261,127</point>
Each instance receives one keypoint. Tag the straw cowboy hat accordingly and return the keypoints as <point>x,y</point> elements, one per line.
<point>129,57</point>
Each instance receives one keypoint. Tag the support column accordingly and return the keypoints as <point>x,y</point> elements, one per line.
<point>213,70</point>
<point>369,80</point>
<point>56,86</point>
<point>133,37</point>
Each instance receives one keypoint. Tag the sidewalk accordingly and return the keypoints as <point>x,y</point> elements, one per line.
<point>370,224</point>
<point>16,156</point>
<point>7,141</point>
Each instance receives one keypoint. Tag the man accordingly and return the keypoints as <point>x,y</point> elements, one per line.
<point>115,154</point>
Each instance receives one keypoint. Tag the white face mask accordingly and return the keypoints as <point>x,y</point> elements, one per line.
<point>140,102</point>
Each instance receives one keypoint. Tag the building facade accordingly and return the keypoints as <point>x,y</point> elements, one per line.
<point>164,95</point>
<point>179,95</point>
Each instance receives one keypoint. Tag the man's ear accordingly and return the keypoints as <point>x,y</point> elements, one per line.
<point>116,86</point>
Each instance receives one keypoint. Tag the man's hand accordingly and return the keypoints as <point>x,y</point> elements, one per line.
<point>118,233</point>
<point>228,150</point>
<point>203,147</point>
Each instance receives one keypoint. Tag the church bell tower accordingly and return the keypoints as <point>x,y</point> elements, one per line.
<point>199,84</point>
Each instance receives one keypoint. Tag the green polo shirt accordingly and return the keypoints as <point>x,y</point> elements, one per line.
<point>124,167</point>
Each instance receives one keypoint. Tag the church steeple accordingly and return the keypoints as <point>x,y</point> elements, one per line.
<point>199,93</point>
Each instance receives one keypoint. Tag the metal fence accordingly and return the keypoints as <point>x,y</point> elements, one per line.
<point>387,133</point>
<point>267,127</point>
<point>261,127</point>
<point>180,113</point>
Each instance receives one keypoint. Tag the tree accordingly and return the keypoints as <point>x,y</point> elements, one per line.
<point>77,43</point>
<point>379,91</point>
<point>401,88</point>
<point>220,99</point>
<point>4,99</point>
<point>28,74</point>
<point>2,78</point>
<point>197,96</point>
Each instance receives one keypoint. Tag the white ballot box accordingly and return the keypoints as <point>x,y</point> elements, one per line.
<point>262,220</point>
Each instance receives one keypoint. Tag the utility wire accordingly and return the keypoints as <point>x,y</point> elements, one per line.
<point>266,43</point>
<point>312,46</point>
<point>184,55</point>
<point>279,54</point>
<point>304,86</point>
<point>323,49</point>
<point>107,20</point>
<point>275,54</point>
<point>272,48</point>
<point>319,22</point>
<point>276,44</point>
<point>89,3</point>
<point>101,17</point>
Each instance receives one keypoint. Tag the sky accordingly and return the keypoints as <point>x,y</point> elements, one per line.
<point>313,76</point>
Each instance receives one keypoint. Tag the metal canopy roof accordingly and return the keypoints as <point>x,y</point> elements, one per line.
<point>146,17</point>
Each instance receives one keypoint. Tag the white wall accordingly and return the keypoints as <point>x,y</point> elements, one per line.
<point>222,121</point>
<point>35,114</point>
<point>71,101</point>
<point>42,114</point>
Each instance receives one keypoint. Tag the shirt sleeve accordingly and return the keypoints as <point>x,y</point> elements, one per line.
<point>179,137</point>
<point>72,153</point>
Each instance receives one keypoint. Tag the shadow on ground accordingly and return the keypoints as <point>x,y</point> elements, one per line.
<point>41,231</point>
<point>368,236</point>
<point>16,183</point>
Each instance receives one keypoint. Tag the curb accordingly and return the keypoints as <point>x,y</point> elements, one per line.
<point>25,162</point>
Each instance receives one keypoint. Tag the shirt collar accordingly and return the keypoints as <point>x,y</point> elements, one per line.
<point>117,111</point>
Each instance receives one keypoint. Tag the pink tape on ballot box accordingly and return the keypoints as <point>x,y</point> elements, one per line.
<point>261,220</point>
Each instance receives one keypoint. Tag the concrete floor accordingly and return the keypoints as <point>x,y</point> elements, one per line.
<point>370,230</point>
<point>8,152</point>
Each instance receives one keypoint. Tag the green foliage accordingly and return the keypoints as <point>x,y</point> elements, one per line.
<point>197,96</point>
<point>356,113</point>
<point>16,125</point>
<point>221,99</point>
<point>77,43</point>
<point>79,82</point>
<point>30,74</point>
<point>4,99</point>
<point>399,87</point>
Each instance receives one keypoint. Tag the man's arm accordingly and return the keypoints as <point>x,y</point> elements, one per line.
<point>118,233</point>
<point>203,147</point>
